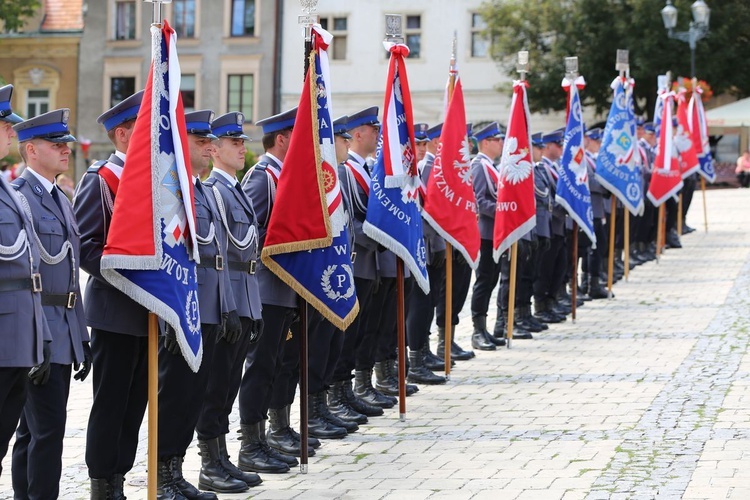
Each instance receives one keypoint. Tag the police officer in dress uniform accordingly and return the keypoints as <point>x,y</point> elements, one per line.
<point>240,228</point>
<point>592,283</point>
<point>421,308</point>
<point>644,227</point>
<point>354,174</point>
<point>179,409</point>
<point>268,375</point>
<point>119,326</point>
<point>484,176</point>
<point>37,453</point>
<point>26,335</point>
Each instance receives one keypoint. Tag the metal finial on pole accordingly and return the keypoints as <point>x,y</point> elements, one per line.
<point>622,65</point>
<point>571,67</point>
<point>307,20</point>
<point>156,13</point>
<point>448,327</point>
<point>522,64</point>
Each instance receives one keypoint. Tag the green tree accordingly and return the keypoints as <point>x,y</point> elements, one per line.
<point>593,30</point>
<point>14,12</point>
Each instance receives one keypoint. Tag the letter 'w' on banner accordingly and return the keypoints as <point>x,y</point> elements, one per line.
<point>516,204</point>
<point>151,250</point>
<point>666,180</point>
<point>683,139</point>
<point>450,206</point>
<point>393,217</point>
<point>307,242</point>
<point>616,167</point>
<point>573,182</point>
<point>699,132</point>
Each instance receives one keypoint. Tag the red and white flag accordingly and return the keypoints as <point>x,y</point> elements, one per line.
<point>450,207</point>
<point>686,147</point>
<point>666,179</point>
<point>515,212</point>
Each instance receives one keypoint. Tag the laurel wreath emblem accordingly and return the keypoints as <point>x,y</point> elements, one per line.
<point>193,325</point>
<point>325,283</point>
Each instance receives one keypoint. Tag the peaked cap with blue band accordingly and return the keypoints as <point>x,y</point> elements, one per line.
<point>649,127</point>
<point>341,127</point>
<point>52,127</point>
<point>420,132</point>
<point>491,131</point>
<point>229,125</point>
<point>536,140</point>
<point>123,111</point>
<point>6,112</point>
<point>199,123</point>
<point>277,123</point>
<point>434,132</point>
<point>368,116</point>
<point>595,134</point>
<point>469,131</point>
<point>554,137</point>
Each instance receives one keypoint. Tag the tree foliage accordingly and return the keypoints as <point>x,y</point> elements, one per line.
<point>593,30</point>
<point>13,13</point>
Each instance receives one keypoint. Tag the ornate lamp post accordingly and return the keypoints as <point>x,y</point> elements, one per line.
<point>697,30</point>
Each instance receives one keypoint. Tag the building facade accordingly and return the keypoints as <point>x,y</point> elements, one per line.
<point>227,51</point>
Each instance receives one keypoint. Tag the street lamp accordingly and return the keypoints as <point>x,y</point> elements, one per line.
<point>698,26</point>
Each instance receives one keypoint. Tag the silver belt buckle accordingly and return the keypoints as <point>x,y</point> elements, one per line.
<point>354,257</point>
<point>36,282</point>
<point>71,300</point>
<point>251,267</point>
<point>219,263</point>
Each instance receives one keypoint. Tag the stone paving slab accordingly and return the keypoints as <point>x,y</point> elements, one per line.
<point>644,396</point>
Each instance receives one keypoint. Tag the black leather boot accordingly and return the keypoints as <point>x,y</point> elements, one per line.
<point>278,436</point>
<point>166,489</point>
<point>364,390</point>
<point>338,405</point>
<point>418,373</point>
<point>101,489</point>
<point>499,332</point>
<point>432,362</point>
<point>519,332</point>
<point>383,382</point>
<point>312,442</point>
<point>174,464</point>
<point>358,404</point>
<point>479,340</point>
<point>317,425</point>
<point>287,459</point>
<point>249,478</point>
<point>457,352</point>
<point>213,476</point>
<point>253,456</point>
<point>392,369</point>
<point>596,290</point>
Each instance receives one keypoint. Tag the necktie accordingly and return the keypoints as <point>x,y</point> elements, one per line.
<point>56,196</point>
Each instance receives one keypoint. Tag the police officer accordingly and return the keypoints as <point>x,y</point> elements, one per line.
<point>591,282</point>
<point>644,227</point>
<point>119,326</point>
<point>421,308</point>
<point>354,173</point>
<point>484,176</point>
<point>26,335</point>
<point>179,409</point>
<point>240,228</point>
<point>266,375</point>
<point>37,453</point>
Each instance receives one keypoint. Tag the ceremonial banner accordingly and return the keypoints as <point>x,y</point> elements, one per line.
<point>450,206</point>
<point>307,241</point>
<point>616,166</point>
<point>573,181</point>
<point>699,133</point>
<point>393,217</point>
<point>666,180</point>
<point>151,249</point>
<point>515,212</point>
<point>683,139</point>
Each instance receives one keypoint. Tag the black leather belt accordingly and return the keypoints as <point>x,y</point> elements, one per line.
<point>212,262</point>
<point>245,267</point>
<point>68,300</point>
<point>34,284</point>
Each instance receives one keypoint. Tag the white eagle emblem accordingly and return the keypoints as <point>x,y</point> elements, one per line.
<point>577,166</point>
<point>463,163</point>
<point>514,167</point>
<point>681,140</point>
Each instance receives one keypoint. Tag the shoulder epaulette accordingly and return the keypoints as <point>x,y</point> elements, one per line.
<point>95,167</point>
<point>18,182</point>
<point>209,181</point>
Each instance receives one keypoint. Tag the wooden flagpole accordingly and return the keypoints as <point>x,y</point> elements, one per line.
<point>448,325</point>
<point>679,214</point>
<point>660,232</point>
<point>307,20</point>
<point>574,277</point>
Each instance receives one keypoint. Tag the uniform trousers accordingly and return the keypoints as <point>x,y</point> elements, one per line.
<point>120,380</point>
<point>181,393</point>
<point>550,269</point>
<point>284,385</point>
<point>461,283</point>
<point>422,306</point>
<point>381,326</point>
<point>645,226</point>
<point>354,334</point>
<point>595,255</point>
<point>13,386</point>
<point>263,363</point>
<point>223,384</point>
<point>688,188</point>
<point>671,207</point>
<point>37,453</point>
<point>324,349</point>
<point>487,276</point>
<point>524,277</point>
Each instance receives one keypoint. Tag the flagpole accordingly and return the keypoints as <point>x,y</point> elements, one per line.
<point>623,66</point>
<point>626,251</point>
<point>679,214</point>
<point>611,260</point>
<point>401,322</point>
<point>705,209</point>
<point>153,350</point>
<point>660,232</point>
<point>448,324</point>
<point>571,72</point>
<point>307,20</point>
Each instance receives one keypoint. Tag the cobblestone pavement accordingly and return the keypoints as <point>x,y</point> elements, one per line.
<point>645,396</point>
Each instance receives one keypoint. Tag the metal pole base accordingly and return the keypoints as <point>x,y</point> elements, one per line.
<point>447,378</point>
<point>402,417</point>
<point>303,468</point>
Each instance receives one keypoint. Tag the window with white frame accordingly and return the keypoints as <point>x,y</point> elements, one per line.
<point>413,35</point>
<point>37,102</point>
<point>480,44</point>
<point>241,94</point>
<point>125,19</point>
<point>243,18</point>
<point>184,15</point>
<point>337,26</point>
